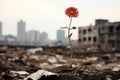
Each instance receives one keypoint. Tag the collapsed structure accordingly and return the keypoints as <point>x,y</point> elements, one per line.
<point>104,35</point>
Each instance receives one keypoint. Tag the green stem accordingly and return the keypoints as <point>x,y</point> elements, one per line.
<point>69,38</point>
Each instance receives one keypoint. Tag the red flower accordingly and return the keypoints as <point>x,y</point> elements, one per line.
<point>71,12</point>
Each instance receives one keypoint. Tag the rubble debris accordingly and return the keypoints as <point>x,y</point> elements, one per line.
<point>43,75</point>
<point>3,49</point>
<point>87,73</point>
<point>20,73</point>
<point>52,60</point>
<point>69,77</point>
<point>14,61</point>
<point>34,50</point>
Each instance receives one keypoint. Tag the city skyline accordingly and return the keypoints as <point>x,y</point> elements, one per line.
<point>48,16</point>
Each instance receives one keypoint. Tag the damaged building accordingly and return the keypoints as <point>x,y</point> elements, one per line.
<point>88,37</point>
<point>104,35</point>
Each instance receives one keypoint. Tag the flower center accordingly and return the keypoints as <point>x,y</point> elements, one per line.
<point>71,12</point>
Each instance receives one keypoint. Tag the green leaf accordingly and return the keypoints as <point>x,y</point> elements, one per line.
<point>69,35</point>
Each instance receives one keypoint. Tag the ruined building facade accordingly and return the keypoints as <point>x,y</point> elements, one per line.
<point>88,37</point>
<point>104,35</point>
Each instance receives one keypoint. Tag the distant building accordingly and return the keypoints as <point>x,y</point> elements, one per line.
<point>44,41</point>
<point>33,37</point>
<point>1,35</point>
<point>10,38</point>
<point>0,28</point>
<point>2,38</point>
<point>104,35</point>
<point>99,22</point>
<point>60,37</point>
<point>21,31</point>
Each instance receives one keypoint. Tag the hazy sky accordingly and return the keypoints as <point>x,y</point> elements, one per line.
<point>48,15</point>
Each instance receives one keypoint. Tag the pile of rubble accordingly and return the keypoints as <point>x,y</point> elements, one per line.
<point>88,73</point>
<point>18,63</point>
